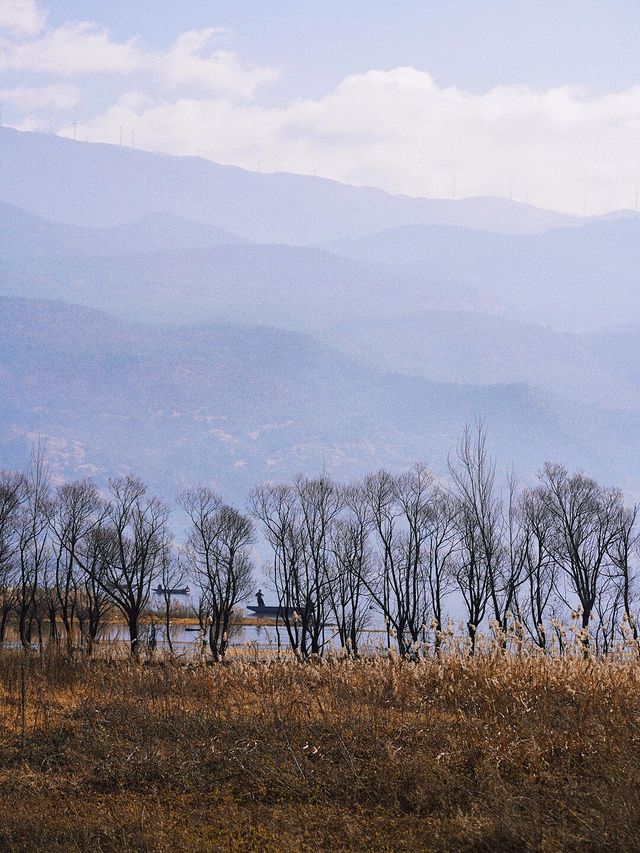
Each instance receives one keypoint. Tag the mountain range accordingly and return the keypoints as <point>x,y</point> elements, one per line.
<point>567,278</point>
<point>194,321</point>
<point>234,405</point>
<point>102,185</point>
<point>457,346</point>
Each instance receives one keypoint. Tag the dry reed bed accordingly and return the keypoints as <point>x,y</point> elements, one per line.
<point>492,753</point>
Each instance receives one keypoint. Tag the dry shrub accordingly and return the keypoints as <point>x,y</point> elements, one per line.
<point>495,752</point>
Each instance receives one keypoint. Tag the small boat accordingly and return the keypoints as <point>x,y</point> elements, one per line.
<point>176,590</point>
<point>268,611</point>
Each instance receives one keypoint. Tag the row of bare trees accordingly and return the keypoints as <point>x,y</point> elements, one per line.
<point>71,556</point>
<point>411,547</point>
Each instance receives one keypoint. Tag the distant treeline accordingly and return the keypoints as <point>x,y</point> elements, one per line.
<point>526,562</point>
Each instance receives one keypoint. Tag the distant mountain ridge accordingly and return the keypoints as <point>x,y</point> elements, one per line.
<point>198,273</point>
<point>214,278</point>
<point>572,279</point>
<point>233,405</point>
<point>23,235</point>
<point>168,268</point>
<point>101,185</point>
<point>457,346</point>
<point>438,302</point>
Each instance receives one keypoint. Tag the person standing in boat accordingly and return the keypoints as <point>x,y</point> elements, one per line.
<point>260,598</point>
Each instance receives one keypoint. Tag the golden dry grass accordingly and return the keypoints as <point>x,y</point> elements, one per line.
<point>493,753</point>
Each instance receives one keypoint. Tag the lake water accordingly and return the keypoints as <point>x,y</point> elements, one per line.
<point>187,638</point>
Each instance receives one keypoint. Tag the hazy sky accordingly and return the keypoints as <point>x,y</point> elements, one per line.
<point>539,100</point>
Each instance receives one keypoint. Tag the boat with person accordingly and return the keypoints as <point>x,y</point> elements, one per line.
<point>269,611</point>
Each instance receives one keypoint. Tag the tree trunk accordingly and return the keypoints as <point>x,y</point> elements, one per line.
<point>584,639</point>
<point>167,629</point>
<point>134,640</point>
<point>24,630</point>
<point>472,636</point>
<point>3,624</point>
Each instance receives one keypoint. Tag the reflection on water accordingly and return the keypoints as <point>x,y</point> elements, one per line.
<point>187,638</point>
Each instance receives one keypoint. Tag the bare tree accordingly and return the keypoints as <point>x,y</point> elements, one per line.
<point>8,599</point>
<point>350,569</point>
<point>402,512</point>
<point>584,517</point>
<point>218,553</point>
<point>382,584</point>
<point>473,474</point>
<point>203,612</point>
<point>607,608</point>
<point>32,545</point>
<point>93,601</point>
<point>276,508</point>
<point>131,540</point>
<point>173,575</point>
<point>12,495</point>
<point>47,601</point>
<point>39,613</point>
<point>442,546</point>
<point>298,521</point>
<point>320,502</point>
<point>470,570</point>
<point>515,565</point>
<point>623,548</point>
<point>72,514</point>
<point>540,567</point>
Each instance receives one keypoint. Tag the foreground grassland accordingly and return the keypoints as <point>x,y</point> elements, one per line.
<point>496,753</point>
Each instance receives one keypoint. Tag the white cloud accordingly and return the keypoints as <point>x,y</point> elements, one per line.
<point>41,97</point>
<point>82,48</point>
<point>22,17</point>
<point>190,60</point>
<point>401,131</point>
<point>396,129</point>
<point>77,48</point>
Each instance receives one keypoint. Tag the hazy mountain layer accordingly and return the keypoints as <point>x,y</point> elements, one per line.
<point>450,346</point>
<point>290,286</point>
<point>569,278</point>
<point>390,304</point>
<point>23,234</point>
<point>174,239</point>
<point>96,184</point>
<point>235,405</point>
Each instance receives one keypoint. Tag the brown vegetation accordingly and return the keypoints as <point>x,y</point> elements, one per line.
<point>492,752</point>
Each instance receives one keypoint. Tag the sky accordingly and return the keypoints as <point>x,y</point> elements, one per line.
<point>538,101</point>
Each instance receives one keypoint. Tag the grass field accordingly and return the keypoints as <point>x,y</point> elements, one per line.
<point>494,753</point>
